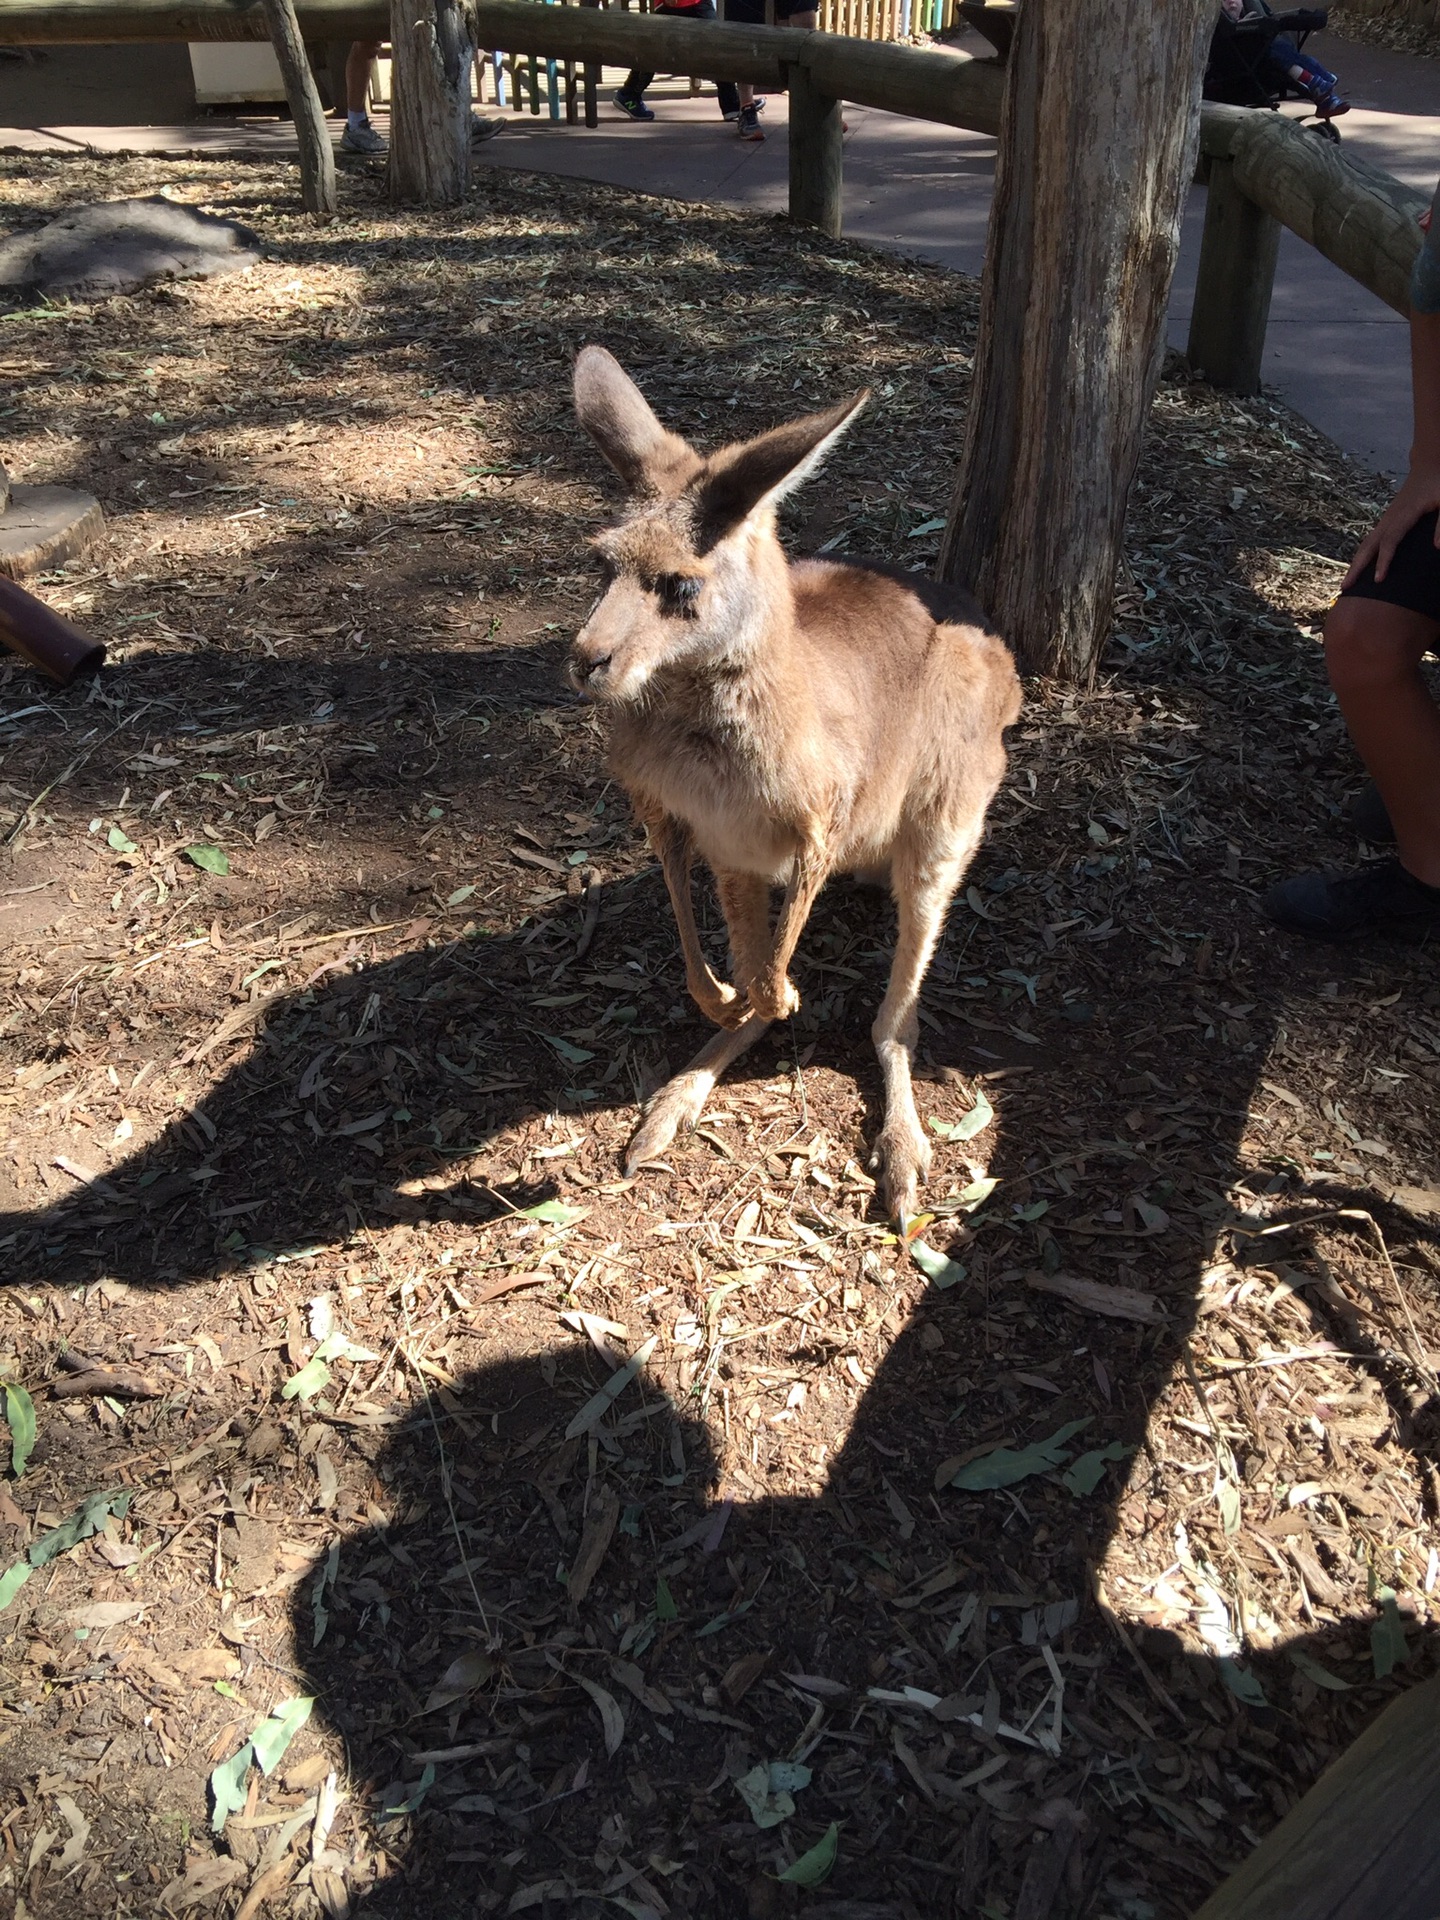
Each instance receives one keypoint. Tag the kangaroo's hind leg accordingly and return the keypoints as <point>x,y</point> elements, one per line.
<point>681,1101</point>
<point>923,891</point>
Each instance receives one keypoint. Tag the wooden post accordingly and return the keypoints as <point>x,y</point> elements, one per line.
<point>1097,146</point>
<point>317,156</point>
<point>816,155</point>
<point>1363,1841</point>
<point>432,46</point>
<point>1233,285</point>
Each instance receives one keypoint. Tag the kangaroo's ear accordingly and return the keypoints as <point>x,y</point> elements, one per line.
<point>758,473</point>
<point>621,422</point>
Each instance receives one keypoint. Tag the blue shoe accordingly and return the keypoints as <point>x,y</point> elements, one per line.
<point>633,109</point>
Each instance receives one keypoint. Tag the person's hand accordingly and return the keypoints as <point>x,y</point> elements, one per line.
<point>1419,494</point>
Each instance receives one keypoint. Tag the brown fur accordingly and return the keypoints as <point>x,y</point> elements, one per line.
<point>784,722</point>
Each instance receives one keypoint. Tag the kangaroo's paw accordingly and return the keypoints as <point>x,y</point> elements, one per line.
<point>721,1003</point>
<point>900,1162</point>
<point>775,999</point>
<point>674,1109</point>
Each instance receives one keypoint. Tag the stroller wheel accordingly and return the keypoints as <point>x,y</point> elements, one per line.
<point>1327,130</point>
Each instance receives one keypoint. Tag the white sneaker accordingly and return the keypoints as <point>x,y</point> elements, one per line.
<point>362,140</point>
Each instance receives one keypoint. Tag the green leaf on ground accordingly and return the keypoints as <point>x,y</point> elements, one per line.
<point>599,1404</point>
<point>119,842</point>
<point>227,1786</point>
<point>767,1790</point>
<point>1241,1682</point>
<point>1322,1676</point>
<point>815,1866</point>
<point>1005,1466</point>
<point>969,1124</point>
<point>20,1414</point>
<point>1089,1470</point>
<point>88,1518</point>
<point>312,1378</point>
<point>1388,1646</point>
<point>554,1213</point>
<point>976,1194</point>
<point>12,1580</point>
<point>273,1736</point>
<point>575,1056</point>
<point>209,859</point>
<point>939,1268</point>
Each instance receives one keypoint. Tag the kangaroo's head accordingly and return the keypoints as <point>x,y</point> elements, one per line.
<point>695,569</point>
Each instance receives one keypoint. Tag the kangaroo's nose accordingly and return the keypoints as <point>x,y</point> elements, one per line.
<point>585,668</point>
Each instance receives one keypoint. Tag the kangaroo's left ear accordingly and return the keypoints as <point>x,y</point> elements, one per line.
<point>759,473</point>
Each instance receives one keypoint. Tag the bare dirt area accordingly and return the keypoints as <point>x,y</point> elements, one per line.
<point>641,1543</point>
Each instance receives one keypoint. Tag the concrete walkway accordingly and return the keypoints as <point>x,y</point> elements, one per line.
<point>1338,355</point>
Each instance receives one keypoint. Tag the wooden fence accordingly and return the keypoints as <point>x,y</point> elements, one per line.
<point>1264,171</point>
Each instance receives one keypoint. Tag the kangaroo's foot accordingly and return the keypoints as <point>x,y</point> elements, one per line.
<point>775,999</point>
<point>900,1162</point>
<point>681,1101</point>
<point>719,1001</point>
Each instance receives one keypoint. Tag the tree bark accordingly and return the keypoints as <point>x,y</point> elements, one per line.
<point>317,156</point>
<point>1097,145</point>
<point>432,51</point>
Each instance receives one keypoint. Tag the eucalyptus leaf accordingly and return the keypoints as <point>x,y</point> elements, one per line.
<point>767,1790</point>
<point>576,1056</point>
<point>20,1414</point>
<point>88,1518</point>
<point>227,1786</point>
<point>1241,1682</point>
<point>394,1809</point>
<point>599,1404</point>
<point>273,1736</point>
<point>976,1194</point>
<point>312,1378</point>
<point>554,1213</point>
<point>208,859</point>
<point>939,1268</point>
<point>1006,1466</point>
<point>1086,1473</point>
<point>1388,1646</point>
<point>969,1124</point>
<point>814,1867</point>
<point>1322,1676</point>
<point>12,1580</point>
<point>119,842</point>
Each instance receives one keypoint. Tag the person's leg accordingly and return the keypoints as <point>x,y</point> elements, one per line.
<point>1373,652</point>
<point>357,74</point>
<point>359,135</point>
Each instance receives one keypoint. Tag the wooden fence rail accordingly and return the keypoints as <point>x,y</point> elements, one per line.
<point>1265,172</point>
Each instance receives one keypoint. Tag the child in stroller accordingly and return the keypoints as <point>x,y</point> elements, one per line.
<point>1254,62</point>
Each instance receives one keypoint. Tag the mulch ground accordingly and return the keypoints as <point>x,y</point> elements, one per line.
<point>334,971</point>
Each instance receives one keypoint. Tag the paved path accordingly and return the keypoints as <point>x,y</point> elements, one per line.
<point>1334,352</point>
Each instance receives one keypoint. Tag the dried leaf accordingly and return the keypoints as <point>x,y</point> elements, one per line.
<point>969,1124</point>
<point>74,1849</point>
<point>611,1718</point>
<point>87,1519</point>
<point>106,1613</point>
<point>459,1680</point>
<point>767,1790</point>
<point>1094,1296</point>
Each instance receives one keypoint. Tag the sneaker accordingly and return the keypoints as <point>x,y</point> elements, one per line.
<point>1378,898</point>
<point>1370,817</point>
<point>633,109</point>
<point>362,140</point>
<point>733,113</point>
<point>483,127</point>
<point>750,127</point>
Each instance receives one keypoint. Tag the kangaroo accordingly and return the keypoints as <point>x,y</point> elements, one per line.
<point>784,721</point>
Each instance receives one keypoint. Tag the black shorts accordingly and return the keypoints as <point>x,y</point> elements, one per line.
<point>751,13</point>
<point>1413,577</point>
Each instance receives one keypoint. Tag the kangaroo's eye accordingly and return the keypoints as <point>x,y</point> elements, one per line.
<point>605,567</point>
<point>678,593</point>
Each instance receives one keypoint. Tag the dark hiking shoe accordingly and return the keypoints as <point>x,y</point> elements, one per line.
<point>1370,817</point>
<point>750,127</point>
<point>1380,898</point>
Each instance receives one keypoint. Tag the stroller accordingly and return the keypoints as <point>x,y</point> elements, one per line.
<point>1251,53</point>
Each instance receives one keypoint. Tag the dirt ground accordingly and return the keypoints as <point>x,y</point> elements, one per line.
<point>317,1249</point>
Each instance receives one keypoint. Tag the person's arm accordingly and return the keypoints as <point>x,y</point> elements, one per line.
<point>1419,492</point>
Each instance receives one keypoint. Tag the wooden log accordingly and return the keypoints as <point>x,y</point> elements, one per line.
<point>317,156</point>
<point>1072,310</point>
<point>927,83</point>
<point>816,155</point>
<point>1354,213</point>
<point>1363,1841</point>
<point>432,51</point>
<point>1233,285</point>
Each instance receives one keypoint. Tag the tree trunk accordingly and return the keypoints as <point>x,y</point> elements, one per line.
<point>1097,146</point>
<point>317,156</point>
<point>432,50</point>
